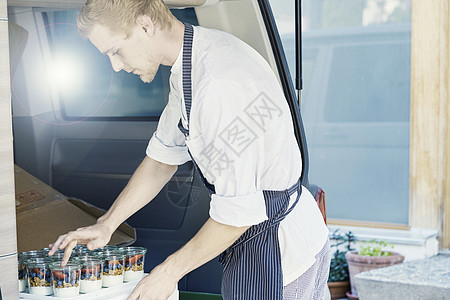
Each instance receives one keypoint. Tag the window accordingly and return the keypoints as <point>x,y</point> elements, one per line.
<point>86,84</point>
<point>356,102</point>
<point>377,78</point>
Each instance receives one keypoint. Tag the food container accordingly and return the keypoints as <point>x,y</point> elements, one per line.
<point>24,256</point>
<point>91,273</point>
<point>39,276</point>
<point>134,263</point>
<point>112,267</point>
<point>22,268</point>
<point>66,279</point>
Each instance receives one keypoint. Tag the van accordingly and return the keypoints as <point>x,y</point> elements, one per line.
<point>84,133</point>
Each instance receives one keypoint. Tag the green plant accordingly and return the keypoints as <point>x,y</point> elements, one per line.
<point>375,248</point>
<point>338,265</point>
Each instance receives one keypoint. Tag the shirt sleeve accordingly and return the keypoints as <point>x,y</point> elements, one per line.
<point>230,152</point>
<point>167,145</point>
<point>238,211</point>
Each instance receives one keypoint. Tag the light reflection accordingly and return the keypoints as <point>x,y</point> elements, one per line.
<point>66,73</point>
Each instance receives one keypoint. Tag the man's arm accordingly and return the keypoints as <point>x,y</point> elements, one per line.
<point>211,240</point>
<point>146,182</point>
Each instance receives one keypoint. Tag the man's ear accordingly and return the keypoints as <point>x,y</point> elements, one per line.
<point>146,24</point>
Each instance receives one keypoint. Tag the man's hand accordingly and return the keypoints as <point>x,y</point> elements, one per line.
<point>94,236</point>
<point>158,285</point>
<point>146,182</point>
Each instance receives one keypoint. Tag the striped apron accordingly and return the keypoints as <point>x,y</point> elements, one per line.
<point>252,265</point>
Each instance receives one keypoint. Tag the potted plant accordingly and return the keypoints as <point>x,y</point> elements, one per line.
<point>371,255</point>
<point>338,279</point>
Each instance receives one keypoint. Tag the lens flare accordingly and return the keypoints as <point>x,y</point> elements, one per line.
<point>66,74</point>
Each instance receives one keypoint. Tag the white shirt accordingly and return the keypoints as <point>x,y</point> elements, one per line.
<point>242,137</point>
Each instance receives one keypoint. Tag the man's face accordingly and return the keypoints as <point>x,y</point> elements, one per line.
<point>132,53</point>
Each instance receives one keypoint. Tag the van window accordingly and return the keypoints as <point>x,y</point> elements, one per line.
<point>355,102</point>
<point>86,84</point>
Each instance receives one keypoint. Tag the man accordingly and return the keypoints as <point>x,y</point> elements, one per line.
<point>271,234</point>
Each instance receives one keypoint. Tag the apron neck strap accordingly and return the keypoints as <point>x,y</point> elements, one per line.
<point>187,68</point>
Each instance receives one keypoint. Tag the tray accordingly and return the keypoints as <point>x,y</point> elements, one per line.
<point>118,292</point>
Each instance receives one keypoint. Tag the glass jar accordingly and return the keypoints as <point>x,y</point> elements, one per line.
<point>22,268</point>
<point>112,267</point>
<point>91,273</point>
<point>66,279</point>
<point>24,256</point>
<point>39,276</point>
<point>134,263</point>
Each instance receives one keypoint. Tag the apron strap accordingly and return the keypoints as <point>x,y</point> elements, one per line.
<point>187,69</point>
<point>187,93</point>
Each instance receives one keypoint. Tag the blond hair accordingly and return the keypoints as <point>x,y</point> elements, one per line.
<point>121,15</point>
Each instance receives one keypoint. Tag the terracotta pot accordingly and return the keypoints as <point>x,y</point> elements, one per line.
<point>338,289</point>
<point>361,263</point>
